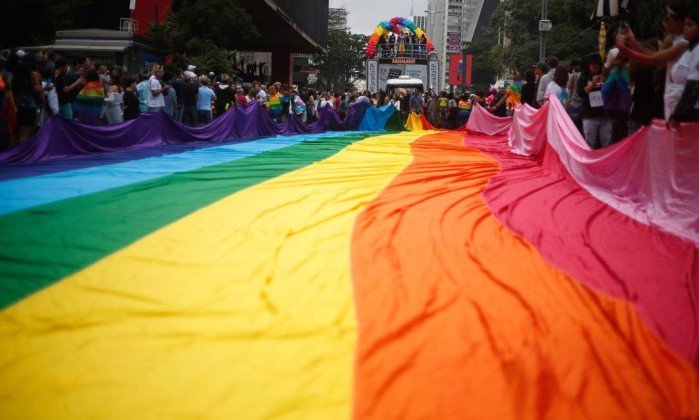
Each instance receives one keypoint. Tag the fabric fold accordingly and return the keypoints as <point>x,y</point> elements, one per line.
<point>60,138</point>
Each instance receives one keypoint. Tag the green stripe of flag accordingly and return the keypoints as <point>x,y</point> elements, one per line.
<point>42,245</point>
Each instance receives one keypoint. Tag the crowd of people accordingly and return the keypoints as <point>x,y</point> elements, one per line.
<point>635,83</point>
<point>404,44</point>
<point>38,86</point>
<point>606,99</point>
<point>34,87</point>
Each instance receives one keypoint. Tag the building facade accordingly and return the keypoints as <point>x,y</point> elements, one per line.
<point>421,21</point>
<point>287,27</point>
<point>456,20</point>
<point>337,19</point>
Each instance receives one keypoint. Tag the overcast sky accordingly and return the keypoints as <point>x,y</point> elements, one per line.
<point>364,15</point>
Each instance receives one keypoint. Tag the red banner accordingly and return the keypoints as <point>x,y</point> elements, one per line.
<point>457,69</point>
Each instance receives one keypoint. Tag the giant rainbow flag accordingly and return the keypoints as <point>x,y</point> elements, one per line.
<point>336,271</point>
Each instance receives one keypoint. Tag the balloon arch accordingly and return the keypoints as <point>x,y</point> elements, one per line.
<point>397,25</point>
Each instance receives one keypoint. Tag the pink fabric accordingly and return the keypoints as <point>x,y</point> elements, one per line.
<point>657,272</point>
<point>527,136</point>
<point>652,176</point>
<point>482,121</point>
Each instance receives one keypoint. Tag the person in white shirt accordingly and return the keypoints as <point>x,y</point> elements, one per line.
<point>552,62</point>
<point>327,101</point>
<point>364,97</point>
<point>155,99</point>
<point>205,97</point>
<point>395,101</point>
<point>674,24</point>
<point>558,85</point>
<point>260,93</point>
<point>687,72</point>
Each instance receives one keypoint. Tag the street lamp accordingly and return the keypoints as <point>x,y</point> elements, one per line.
<point>544,26</point>
<point>429,18</point>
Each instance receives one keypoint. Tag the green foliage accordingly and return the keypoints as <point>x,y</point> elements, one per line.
<point>574,34</point>
<point>206,31</point>
<point>487,55</point>
<point>197,25</point>
<point>647,18</point>
<point>217,60</point>
<point>342,64</point>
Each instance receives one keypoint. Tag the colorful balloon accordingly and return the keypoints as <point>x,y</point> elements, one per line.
<point>396,25</point>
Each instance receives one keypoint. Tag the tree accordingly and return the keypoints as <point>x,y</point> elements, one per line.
<point>574,33</point>
<point>343,63</point>
<point>486,65</point>
<point>206,32</point>
<point>199,23</point>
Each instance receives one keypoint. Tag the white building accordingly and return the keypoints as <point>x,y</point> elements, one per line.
<point>421,21</point>
<point>455,16</point>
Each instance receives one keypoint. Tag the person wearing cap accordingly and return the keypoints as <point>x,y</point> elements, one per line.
<point>597,127</point>
<point>205,97</point>
<point>544,80</point>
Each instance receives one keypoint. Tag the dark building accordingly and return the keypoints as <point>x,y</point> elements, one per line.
<point>109,14</point>
<point>489,7</point>
<point>293,26</point>
<point>288,27</point>
<point>104,46</point>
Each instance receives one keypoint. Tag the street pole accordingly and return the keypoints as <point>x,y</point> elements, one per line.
<point>464,63</point>
<point>463,53</point>
<point>542,34</point>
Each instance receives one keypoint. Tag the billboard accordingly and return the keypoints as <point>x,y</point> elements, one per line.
<point>393,71</point>
<point>453,42</point>
<point>458,69</point>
